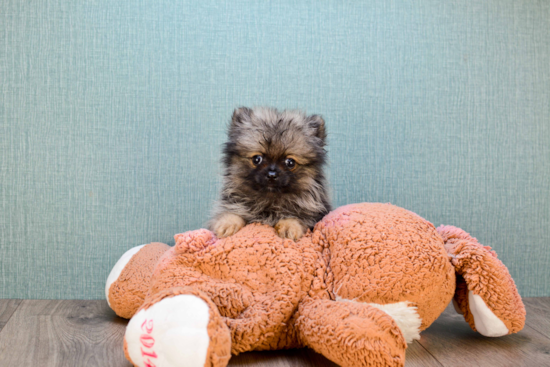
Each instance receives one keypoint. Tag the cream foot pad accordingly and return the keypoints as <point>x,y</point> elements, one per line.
<point>170,333</point>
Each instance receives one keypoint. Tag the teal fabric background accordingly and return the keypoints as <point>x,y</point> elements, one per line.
<point>113,114</point>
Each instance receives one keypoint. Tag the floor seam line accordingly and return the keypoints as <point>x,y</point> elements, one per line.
<point>427,351</point>
<point>13,313</point>
<point>532,328</point>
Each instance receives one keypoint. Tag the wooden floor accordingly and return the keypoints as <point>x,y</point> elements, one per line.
<point>87,333</point>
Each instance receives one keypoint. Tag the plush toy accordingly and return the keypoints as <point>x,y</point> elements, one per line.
<point>356,289</point>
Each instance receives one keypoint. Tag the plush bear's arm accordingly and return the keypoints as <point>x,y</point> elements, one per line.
<point>128,282</point>
<point>230,298</point>
<point>351,333</point>
<point>486,293</point>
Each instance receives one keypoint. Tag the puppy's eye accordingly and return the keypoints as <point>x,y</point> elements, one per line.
<point>257,159</point>
<point>290,163</point>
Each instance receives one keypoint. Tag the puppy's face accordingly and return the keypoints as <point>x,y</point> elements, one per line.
<point>272,173</point>
<point>273,153</point>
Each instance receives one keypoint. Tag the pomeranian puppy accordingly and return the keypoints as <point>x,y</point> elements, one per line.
<point>273,173</point>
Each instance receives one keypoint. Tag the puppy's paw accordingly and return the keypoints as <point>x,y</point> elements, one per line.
<point>227,225</point>
<point>290,228</point>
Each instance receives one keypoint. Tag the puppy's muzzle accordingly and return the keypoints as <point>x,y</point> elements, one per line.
<point>272,173</point>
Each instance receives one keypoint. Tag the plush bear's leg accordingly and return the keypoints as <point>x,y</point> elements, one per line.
<point>254,328</point>
<point>485,292</point>
<point>178,327</point>
<point>350,333</point>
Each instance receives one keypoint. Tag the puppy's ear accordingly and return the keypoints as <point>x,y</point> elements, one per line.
<point>240,115</point>
<point>317,123</point>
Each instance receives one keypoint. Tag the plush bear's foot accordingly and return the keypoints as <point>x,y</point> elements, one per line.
<point>179,327</point>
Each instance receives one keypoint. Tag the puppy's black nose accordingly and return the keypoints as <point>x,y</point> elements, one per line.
<point>272,175</point>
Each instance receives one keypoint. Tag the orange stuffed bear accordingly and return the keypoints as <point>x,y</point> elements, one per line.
<point>359,287</point>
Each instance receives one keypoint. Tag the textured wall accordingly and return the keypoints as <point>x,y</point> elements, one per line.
<point>112,114</point>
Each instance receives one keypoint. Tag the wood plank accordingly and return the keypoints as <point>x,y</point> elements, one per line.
<point>7,308</point>
<point>416,356</point>
<point>63,333</point>
<point>538,314</point>
<point>88,333</point>
<point>451,341</point>
<point>286,358</point>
